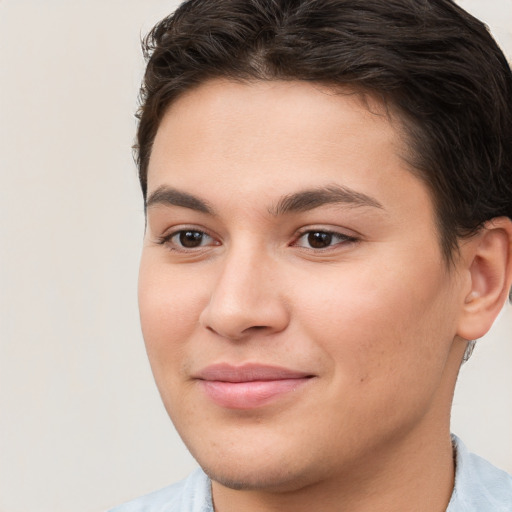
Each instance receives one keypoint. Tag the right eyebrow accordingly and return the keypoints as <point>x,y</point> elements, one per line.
<point>169,196</point>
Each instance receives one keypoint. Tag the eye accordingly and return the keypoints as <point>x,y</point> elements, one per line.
<point>317,239</point>
<point>187,239</point>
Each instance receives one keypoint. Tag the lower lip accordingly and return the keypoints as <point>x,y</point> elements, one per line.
<point>249,395</point>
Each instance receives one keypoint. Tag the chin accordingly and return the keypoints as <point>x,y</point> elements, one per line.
<point>254,478</point>
<point>267,469</point>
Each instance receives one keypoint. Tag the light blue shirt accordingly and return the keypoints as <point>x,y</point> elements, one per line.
<point>479,487</point>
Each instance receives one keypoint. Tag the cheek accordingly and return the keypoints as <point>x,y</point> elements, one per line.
<point>384,350</point>
<point>169,305</point>
<point>378,324</point>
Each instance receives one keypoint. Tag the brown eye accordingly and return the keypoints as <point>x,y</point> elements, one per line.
<point>190,239</point>
<point>319,239</point>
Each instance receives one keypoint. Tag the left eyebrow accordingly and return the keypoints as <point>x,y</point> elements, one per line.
<point>306,200</point>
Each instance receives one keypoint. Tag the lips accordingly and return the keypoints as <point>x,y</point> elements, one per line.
<point>249,386</point>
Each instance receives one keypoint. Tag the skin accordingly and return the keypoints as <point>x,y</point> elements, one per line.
<point>374,317</point>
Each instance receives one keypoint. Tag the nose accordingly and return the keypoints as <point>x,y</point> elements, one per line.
<point>246,298</point>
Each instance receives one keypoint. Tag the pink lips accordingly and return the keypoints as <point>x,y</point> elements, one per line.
<point>248,386</point>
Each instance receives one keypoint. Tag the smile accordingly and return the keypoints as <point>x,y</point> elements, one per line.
<point>249,386</point>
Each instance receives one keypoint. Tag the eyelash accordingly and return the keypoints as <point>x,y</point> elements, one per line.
<point>325,235</point>
<point>174,246</point>
<point>342,239</point>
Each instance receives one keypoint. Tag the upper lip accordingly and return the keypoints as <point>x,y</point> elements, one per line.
<point>225,372</point>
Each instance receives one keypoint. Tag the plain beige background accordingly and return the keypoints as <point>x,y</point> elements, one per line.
<point>81,424</point>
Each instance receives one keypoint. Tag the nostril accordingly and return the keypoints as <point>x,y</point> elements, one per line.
<point>240,335</point>
<point>254,328</point>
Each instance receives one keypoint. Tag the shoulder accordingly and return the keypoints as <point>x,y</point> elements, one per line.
<point>190,495</point>
<point>479,486</point>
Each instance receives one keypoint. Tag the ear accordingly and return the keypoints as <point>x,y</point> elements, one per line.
<point>488,258</point>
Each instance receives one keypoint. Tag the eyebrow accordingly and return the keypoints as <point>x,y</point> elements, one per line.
<point>302,201</point>
<point>306,200</point>
<point>172,197</point>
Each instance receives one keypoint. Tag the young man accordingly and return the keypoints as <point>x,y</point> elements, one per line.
<point>328,190</point>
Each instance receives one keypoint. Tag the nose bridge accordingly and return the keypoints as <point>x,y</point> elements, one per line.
<point>246,295</point>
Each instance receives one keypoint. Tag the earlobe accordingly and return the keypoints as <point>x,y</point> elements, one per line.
<point>489,264</point>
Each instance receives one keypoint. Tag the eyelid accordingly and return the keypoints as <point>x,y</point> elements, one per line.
<point>169,234</point>
<point>345,238</point>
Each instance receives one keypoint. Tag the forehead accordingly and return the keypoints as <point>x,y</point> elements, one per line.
<point>253,142</point>
<point>296,118</point>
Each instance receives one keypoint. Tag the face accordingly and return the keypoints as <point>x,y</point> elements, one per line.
<point>297,312</point>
